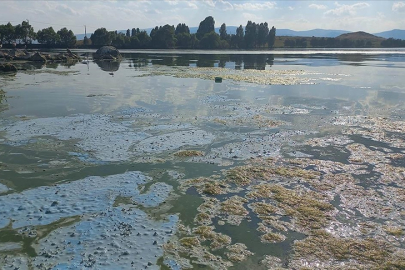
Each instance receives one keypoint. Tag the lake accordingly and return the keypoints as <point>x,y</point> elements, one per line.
<point>205,160</point>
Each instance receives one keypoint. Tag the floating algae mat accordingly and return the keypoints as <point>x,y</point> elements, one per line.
<point>292,162</point>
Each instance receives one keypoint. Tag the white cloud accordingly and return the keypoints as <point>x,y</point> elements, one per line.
<point>192,5</point>
<point>342,10</point>
<point>172,2</point>
<point>223,5</point>
<point>291,8</point>
<point>255,6</point>
<point>398,7</point>
<point>315,6</point>
<point>251,17</point>
<point>210,3</point>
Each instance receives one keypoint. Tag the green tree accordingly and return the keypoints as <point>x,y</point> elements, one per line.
<point>182,28</point>
<point>289,43</point>
<point>134,32</point>
<point>120,40</point>
<point>271,37</point>
<point>86,40</point>
<point>67,37</point>
<point>144,39</point>
<point>163,37</point>
<point>262,34</point>
<point>183,36</point>
<point>240,37</point>
<point>24,32</point>
<point>250,35</point>
<point>18,33</point>
<point>48,36</point>
<point>8,33</point>
<point>210,40</point>
<point>205,27</point>
<point>134,42</point>
<point>101,37</point>
<point>222,32</point>
<point>194,42</point>
<point>183,40</point>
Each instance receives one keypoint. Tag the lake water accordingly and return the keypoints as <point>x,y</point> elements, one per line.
<point>295,159</point>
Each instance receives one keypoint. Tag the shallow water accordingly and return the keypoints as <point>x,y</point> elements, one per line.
<point>65,127</point>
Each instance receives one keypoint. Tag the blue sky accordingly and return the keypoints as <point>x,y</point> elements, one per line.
<point>369,16</point>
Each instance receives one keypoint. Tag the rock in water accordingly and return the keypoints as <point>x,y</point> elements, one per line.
<point>108,53</point>
<point>38,57</point>
<point>8,68</point>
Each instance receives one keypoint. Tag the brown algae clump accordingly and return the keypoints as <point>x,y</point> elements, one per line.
<point>244,175</point>
<point>395,231</point>
<point>206,185</point>
<point>234,206</point>
<point>238,252</point>
<point>304,208</point>
<point>203,218</point>
<point>213,188</point>
<point>218,240</point>
<point>309,212</point>
<point>189,153</point>
<point>271,237</point>
<point>261,191</point>
<point>322,247</point>
<point>190,242</point>
<point>205,232</point>
<point>262,208</point>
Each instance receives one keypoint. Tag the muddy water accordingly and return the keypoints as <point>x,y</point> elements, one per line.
<point>336,113</point>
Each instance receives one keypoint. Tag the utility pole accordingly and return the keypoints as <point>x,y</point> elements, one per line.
<point>85,41</point>
<point>28,21</point>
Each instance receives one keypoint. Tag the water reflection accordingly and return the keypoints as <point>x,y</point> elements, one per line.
<point>231,61</point>
<point>109,66</point>
<point>248,61</point>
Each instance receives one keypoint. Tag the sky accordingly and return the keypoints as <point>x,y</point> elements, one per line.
<point>368,16</point>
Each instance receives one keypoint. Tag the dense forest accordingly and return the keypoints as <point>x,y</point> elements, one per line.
<point>318,42</point>
<point>24,34</point>
<point>252,36</point>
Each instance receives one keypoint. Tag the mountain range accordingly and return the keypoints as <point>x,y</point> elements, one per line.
<point>395,33</point>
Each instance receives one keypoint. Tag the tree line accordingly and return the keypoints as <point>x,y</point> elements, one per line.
<point>321,42</point>
<point>24,33</point>
<point>252,36</point>
<point>168,36</point>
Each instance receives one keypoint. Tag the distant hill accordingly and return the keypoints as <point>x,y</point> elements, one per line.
<point>311,33</point>
<point>396,33</point>
<point>360,35</point>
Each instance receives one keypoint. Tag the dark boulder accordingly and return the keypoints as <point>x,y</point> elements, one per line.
<point>37,57</point>
<point>8,68</point>
<point>20,54</point>
<point>107,53</point>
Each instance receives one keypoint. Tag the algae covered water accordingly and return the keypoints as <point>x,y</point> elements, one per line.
<point>295,160</point>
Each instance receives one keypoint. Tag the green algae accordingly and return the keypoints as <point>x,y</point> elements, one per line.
<point>189,153</point>
<point>122,200</point>
<point>29,236</point>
